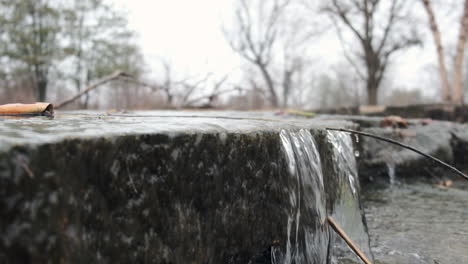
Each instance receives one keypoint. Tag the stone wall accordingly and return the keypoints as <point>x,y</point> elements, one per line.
<point>210,192</point>
<point>445,112</point>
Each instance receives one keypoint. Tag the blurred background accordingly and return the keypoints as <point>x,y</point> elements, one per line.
<point>234,54</point>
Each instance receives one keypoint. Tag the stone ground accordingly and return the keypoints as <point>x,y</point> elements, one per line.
<point>418,223</point>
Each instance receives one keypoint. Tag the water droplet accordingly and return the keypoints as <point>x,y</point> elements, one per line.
<point>356,154</point>
<point>356,137</point>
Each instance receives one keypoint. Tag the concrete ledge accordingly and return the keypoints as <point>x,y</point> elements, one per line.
<point>151,188</point>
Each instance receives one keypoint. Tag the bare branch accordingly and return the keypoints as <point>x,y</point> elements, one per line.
<point>191,87</point>
<point>154,88</point>
<point>211,96</point>
<point>104,80</point>
<point>388,26</point>
<point>348,58</point>
<point>343,14</point>
<point>256,34</point>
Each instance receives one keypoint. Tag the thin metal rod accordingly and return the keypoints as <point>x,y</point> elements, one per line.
<point>458,172</point>
<point>348,240</point>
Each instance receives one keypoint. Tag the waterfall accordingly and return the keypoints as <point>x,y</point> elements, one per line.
<point>307,240</point>
<point>347,210</point>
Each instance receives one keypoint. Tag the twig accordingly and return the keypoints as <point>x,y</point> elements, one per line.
<point>214,94</point>
<point>154,88</point>
<point>100,82</point>
<point>348,240</point>
<point>458,172</point>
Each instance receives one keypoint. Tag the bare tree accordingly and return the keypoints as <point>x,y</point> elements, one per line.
<point>339,87</point>
<point>29,32</point>
<point>459,57</point>
<point>455,94</point>
<point>259,36</point>
<point>167,85</point>
<point>189,86</point>
<point>440,51</point>
<point>215,91</point>
<point>183,90</point>
<point>295,64</point>
<point>379,35</point>
<point>50,40</point>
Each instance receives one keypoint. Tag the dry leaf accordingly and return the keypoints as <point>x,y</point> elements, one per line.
<point>394,121</point>
<point>43,109</point>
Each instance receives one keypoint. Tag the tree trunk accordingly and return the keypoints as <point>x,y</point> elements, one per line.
<point>41,90</point>
<point>170,98</point>
<point>459,58</point>
<point>371,93</point>
<point>287,83</point>
<point>271,86</point>
<point>446,95</point>
<point>86,101</point>
<point>285,99</point>
<point>373,77</point>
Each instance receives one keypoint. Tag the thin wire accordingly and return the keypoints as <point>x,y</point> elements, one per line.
<point>458,172</point>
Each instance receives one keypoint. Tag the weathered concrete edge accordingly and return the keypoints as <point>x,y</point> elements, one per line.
<point>27,159</point>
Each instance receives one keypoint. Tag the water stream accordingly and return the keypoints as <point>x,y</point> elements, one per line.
<point>310,243</point>
<point>347,208</point>
<point>391,173</point>
<point>306,243</point>
<point>418,223</point>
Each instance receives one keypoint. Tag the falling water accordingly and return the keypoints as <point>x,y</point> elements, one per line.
<point>391,173</point>
<point>356,152</point>
<point>307,240</point>
<point>346,208</point>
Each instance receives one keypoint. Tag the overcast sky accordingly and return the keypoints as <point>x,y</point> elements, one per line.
<point>188,34</point>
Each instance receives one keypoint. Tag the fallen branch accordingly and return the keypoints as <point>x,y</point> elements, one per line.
<point>458,172</point>
<point>348,240</point>
<point>105,79</point>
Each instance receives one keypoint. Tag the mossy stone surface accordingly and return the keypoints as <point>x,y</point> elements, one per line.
<point>209,191</point>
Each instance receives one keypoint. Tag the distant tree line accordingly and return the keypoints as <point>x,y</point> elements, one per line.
<point>372,32</point>
<point>42,41</point>
<point>56,48</point>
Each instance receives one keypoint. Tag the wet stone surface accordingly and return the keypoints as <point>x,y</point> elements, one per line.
<point>444,140</point>
<point>174,187</point>
<point>418,223</point>
<point>82,125</point>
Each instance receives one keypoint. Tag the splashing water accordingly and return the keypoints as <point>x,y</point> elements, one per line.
<point>307,240</point>
<point>347,208</point>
